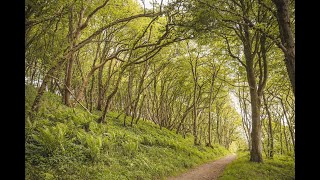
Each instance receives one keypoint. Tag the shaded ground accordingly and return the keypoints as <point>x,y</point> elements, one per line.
<point>211,170</point>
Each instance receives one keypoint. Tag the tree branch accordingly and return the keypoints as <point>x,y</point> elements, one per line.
<point>232,55</point>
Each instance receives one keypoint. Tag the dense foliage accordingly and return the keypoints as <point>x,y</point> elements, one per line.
<point>113,78</point>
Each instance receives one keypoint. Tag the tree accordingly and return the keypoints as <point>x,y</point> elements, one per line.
<point>208,69</point>
<point>287,38</point>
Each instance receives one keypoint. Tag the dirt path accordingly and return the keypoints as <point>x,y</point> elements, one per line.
<point>210,170</point>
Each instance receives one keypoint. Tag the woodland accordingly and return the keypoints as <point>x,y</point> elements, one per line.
<point>130,89</point>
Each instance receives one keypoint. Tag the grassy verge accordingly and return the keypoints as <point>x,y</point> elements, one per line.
<point>281,167</point>
<point>68,143</point>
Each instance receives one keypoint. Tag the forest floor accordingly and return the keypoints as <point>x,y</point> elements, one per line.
<point>68,143</point>
<point>280,167</point>
<point>211,170</point>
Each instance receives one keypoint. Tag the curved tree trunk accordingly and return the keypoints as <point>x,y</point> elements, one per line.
<point>287,38</point>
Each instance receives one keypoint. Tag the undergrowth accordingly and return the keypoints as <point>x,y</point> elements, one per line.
<point>68,143</point>
<point>278,168</point>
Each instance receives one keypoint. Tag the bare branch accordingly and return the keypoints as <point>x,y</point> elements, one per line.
<point>232,55</point>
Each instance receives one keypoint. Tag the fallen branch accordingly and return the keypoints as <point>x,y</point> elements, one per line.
<point>72,94</point>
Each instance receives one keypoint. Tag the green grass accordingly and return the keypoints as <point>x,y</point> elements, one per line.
<point>59,147</point>
<point>281,167</point>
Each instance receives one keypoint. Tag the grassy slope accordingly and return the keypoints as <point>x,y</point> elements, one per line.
<point>59,147</point>
<point>281,167</point>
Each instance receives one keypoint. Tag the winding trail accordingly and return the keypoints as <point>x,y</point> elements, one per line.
<point>211,170</point>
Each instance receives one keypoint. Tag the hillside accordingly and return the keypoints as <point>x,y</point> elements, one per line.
<point>68,143</point>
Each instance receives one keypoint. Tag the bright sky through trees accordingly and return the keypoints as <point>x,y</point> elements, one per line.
<point>148,3</point>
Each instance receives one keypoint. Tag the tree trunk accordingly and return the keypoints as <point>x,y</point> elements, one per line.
<point>38,80</point>
<point>68,81</point>
<point>289,124</point>
<point>129,95</point>
<point>218,124</point>
<point>33,72</point>
<point>102,119</point>
<point>195,115</point>
<point>287,39</point>
<point>256,149</point>
<point>45,80</point>
<point>245,120</point>
<point>91,93</point>
<point>270,154</point>
<point>281,147</point>
<point>139,92</point>
<point>140,108</point>
<point>285,136</point>
<point>209,115</point>
<point>183,118</point>
<point>69,65</point>
<point>100,88</point>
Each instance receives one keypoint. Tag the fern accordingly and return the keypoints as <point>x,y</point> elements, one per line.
<point>52,138</point>
<point>94,144</point>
